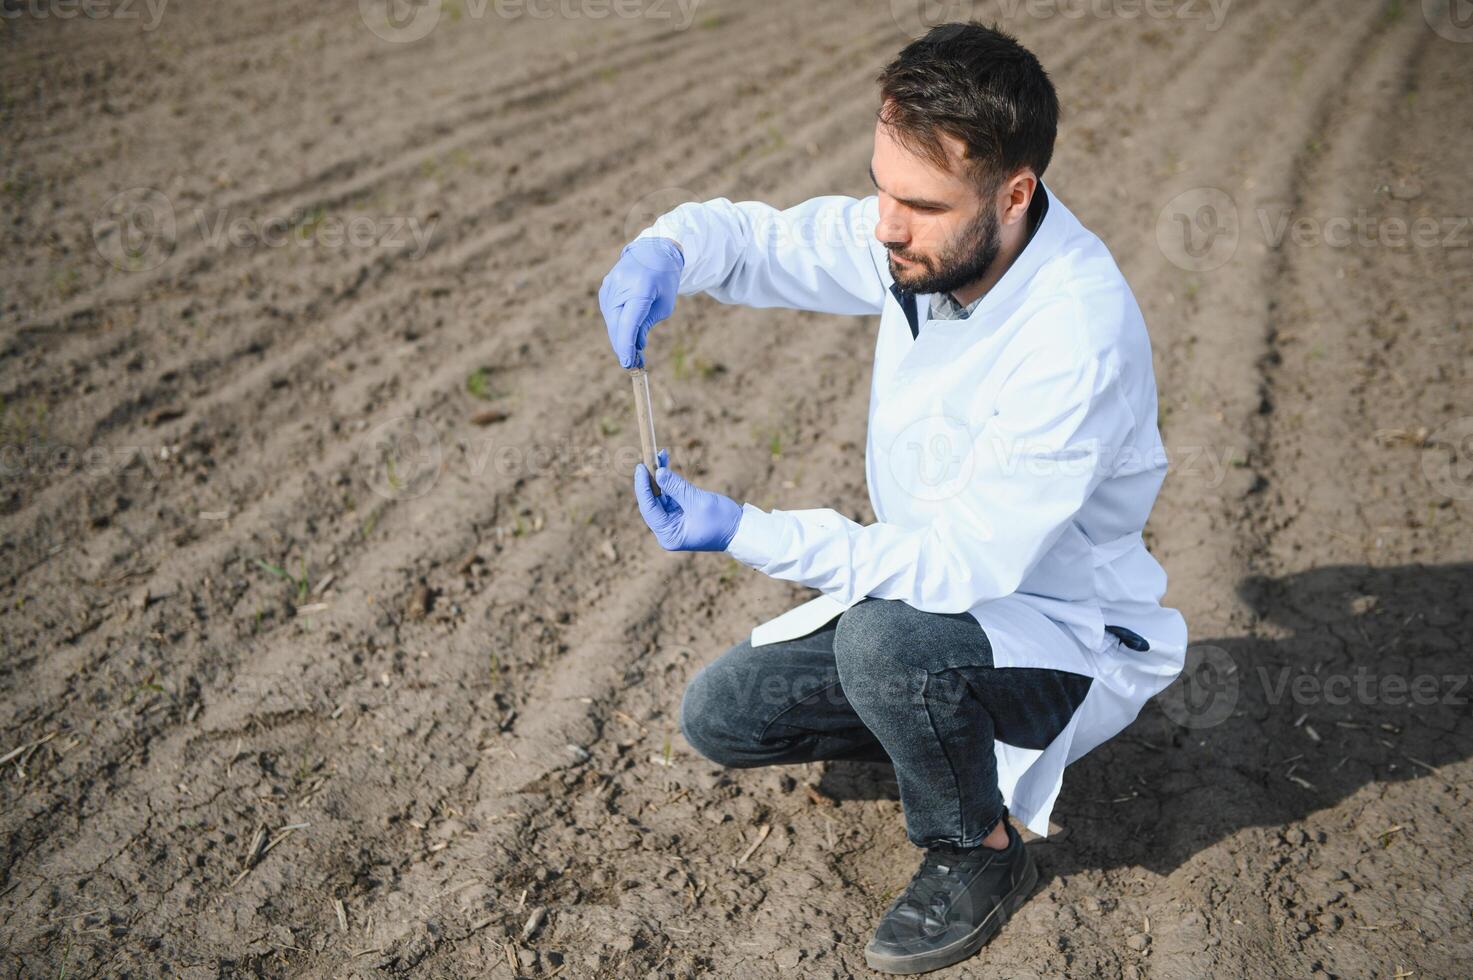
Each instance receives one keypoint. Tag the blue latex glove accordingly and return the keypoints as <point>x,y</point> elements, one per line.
<point>638,293</point>
<point>685,517</point>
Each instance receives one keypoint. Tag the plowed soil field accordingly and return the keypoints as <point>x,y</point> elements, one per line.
<point>333,644</point>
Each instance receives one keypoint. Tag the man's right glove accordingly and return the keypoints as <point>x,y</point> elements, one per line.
<point>684,517</point>
<point>638,293</point>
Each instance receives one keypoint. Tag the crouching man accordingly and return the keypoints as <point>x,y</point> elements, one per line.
<point>1001,617</point>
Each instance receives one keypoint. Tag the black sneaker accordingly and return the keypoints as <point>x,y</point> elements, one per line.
<point>953,906</point>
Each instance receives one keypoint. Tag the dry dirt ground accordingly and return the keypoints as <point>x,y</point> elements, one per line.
<point>333,644</point>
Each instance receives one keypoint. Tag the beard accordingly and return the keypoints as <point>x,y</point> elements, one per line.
<point>962,262</point>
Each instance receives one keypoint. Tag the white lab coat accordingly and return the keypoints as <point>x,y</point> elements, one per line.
<point>1012,458</point>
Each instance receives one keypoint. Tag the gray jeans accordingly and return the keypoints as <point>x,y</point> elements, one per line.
<point>885,681</point>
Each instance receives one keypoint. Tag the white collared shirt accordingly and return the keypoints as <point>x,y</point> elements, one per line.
<point>945,307</point>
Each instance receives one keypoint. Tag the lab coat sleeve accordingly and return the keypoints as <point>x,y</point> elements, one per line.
<point>1057,430</point>
<point>814,256</point>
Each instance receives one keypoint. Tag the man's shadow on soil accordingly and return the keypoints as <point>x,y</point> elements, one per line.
<point>1351,675</point>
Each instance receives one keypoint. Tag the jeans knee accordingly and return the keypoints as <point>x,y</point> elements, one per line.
<point>869,650</point>
<point>703,718</point>
<point>693,715</point>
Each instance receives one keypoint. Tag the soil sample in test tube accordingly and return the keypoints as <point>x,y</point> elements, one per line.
<point>645,414</point>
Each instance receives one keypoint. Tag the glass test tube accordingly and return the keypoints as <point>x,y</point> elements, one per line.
<point>645,416</point>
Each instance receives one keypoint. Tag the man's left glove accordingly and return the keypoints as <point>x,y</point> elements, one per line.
<point>685,517</point>
<point>639,292</point>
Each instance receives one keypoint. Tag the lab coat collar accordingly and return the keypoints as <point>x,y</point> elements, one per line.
<point>907,303</point>
<point>1044,241</point>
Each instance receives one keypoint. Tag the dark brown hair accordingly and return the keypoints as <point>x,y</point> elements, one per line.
<point>980,85</point>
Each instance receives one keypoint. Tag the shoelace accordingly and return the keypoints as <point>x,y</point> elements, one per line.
<point>940,873</point>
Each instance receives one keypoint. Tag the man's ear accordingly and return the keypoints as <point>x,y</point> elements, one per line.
<point>1016,194</point>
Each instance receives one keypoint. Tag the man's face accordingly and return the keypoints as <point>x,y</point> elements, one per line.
<point>941,231</point>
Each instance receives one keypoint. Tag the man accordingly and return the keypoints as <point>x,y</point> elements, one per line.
<point>1002,617</point>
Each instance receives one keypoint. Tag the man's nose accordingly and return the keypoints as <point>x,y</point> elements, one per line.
<point>892,230</point>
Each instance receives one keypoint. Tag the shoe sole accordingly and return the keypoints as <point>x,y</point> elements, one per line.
<point>969,944</point>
